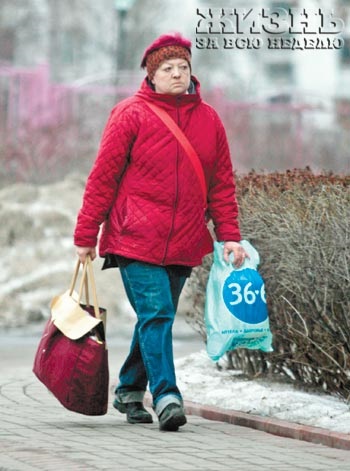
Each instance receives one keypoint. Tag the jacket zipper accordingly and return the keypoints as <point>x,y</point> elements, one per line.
<point>175,201</point>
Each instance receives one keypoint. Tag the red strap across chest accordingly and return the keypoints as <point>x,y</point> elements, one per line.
<point>180,136</point>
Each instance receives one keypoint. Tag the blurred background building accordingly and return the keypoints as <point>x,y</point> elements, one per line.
<point>63,66</point>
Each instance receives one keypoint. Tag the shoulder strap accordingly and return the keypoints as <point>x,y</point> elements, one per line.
<point>180,136</point>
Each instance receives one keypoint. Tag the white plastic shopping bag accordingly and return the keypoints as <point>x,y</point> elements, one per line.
<point>235,310</point>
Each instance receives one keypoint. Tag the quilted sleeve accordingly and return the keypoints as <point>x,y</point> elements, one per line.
<point>102,183</point>
<point>222,204</point>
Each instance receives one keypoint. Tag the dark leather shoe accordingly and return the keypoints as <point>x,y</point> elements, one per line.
<point>171,418</point>
<point>135,412</point>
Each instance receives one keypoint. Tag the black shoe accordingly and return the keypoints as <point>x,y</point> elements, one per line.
<point>135,412</point>
<point>172,417</point>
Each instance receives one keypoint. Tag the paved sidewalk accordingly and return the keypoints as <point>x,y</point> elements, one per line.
<point>37,433</point>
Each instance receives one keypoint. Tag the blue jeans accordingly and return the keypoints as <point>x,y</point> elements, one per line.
<point>153,292</point>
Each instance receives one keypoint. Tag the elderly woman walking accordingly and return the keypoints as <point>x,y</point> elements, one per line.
<point>162,171</point>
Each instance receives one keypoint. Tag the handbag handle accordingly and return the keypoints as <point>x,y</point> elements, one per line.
<point>180,136</point>
<point>75,277</point>
<point>93,286</point>
<point>88,273</point>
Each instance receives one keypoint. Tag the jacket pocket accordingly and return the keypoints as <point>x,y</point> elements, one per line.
<point>133,217</point>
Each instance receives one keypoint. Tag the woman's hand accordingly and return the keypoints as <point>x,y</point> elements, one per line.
<point>84,251</point>
<point>239,254</point>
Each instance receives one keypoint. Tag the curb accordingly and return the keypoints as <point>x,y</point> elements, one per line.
<point>266,424</point>
<point>269,425</point>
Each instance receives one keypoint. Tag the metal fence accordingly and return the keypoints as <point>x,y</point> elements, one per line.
<point>49,129</point>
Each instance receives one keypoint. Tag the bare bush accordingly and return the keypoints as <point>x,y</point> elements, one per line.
<point>300,224</point>
<point>37,154</point>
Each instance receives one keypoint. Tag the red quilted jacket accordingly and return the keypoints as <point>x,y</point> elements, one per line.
<point>144,189</point>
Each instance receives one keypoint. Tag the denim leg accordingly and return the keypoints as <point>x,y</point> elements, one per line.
<point>133,376</point>
<point>177,282</point>
<point>154,295</point>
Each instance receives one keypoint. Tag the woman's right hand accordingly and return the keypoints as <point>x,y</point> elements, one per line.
<point>84,251</point>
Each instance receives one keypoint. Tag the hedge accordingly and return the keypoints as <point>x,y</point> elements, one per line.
<point>300,224</point>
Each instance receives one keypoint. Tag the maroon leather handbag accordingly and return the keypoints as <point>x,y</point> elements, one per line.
<point>72,356</point>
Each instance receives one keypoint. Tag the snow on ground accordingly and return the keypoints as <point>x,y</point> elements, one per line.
<point>201,381</point>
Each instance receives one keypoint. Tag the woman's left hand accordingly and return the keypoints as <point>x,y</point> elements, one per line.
<point>239,254</point>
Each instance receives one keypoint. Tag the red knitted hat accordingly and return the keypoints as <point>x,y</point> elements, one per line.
<point>167,46</point>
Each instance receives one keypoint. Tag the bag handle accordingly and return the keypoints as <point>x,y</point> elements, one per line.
<point>180,136</point>
<point>93,286</point>
<point>88,273</point>
<point>75,277</point>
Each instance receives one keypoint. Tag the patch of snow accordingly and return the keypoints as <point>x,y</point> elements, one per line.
<point>32,277</point>
<point>200,380</point>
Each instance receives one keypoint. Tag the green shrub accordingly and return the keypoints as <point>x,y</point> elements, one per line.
<point>300,224</point>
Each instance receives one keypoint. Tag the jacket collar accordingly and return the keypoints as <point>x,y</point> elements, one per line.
<point>193,98</point>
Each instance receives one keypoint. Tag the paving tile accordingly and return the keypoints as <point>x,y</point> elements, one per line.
<point>38,434</point>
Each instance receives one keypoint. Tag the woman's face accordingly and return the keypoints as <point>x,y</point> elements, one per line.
<point>172,77</point>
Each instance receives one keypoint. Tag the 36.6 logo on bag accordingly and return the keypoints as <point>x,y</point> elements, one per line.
<point>244,295</point>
